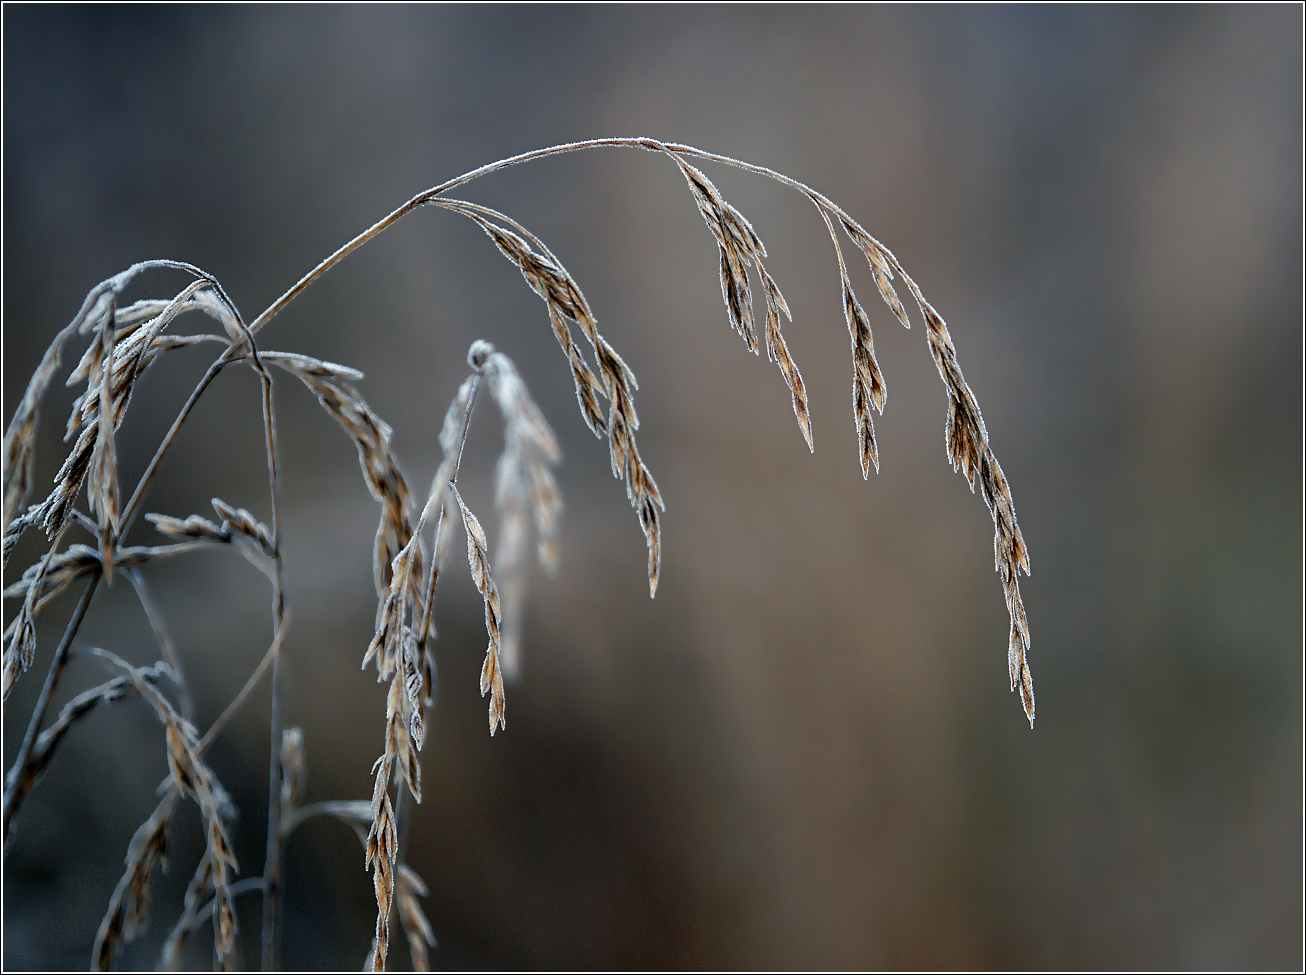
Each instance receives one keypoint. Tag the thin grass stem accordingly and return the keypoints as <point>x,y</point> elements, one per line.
<point>138,495</point>
<point>216,728</point>
<point>152,613</point>
<point>19,781</point>
<point>426,196</point>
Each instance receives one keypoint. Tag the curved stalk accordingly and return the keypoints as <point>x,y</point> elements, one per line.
<point>426,196</point>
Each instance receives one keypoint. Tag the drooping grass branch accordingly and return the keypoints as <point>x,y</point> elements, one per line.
<point>124,340</point>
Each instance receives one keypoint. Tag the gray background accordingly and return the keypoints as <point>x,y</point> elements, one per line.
<point>803,753</point>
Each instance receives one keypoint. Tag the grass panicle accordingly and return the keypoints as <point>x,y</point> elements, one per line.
<point>115,341</point>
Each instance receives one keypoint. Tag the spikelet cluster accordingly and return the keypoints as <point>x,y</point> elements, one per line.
<point>188,776</point>
<point>196,906</point>
<point>371,435</point>
<point>60,569</point>
<point>741,248</point>
<point>525,493</point>
<point>401,654</point>
<point>129,907</point>
<point>237,523</point>
<point>966,442</point>
<point>478,561</point>
<point>394,649</point>
<point>415,923</point>
<point>123,344</point>
<point>193,778</point>
<point>566,304</point>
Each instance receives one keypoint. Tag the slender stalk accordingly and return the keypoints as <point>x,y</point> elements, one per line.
<point>273,892</point>
<point>138,495</point>
<point>193,921</point>
<point>350,810</point>
<point>190,921</point>
<point>239,699</point>
<point>165,644</point>
<point>272,888</point>
<point>18,781</point>
<point>426,196</point>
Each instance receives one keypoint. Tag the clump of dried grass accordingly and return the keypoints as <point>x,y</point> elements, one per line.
<point>123,342</point>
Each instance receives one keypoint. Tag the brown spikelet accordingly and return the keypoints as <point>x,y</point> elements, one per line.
<point>416,694</point>
<point>198,890</point>
<point>242,522</point>
<point>129,906</point>
<point>868,383</point>
<point>382,844</point>
<point>58,505</point>
<point>740,248</point>
<point>192,777</point>
<point>381,838</point>
<point>30,517</point>
<point>966,441</point>
<point>491,675</point>
<point>397,610</point>
<point>738,296</point>
<point>20,634</point>
<point>387,626</point>
<point>777,351</point>
<point>20,648</point>
<point>881,262</point>
<point>412,917</point>
<point>194,526</point>
<point>890,296</point>
<point>306,367</point>
<point>376,458</point>
<point>400,747</point>
<point>20,435</point>
<point>103,493</point>
<point>587,387</point>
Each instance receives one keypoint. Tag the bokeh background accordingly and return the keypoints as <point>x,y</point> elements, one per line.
<point>803,753</point>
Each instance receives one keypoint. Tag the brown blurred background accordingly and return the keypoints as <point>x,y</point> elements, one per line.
<point>803,753</point>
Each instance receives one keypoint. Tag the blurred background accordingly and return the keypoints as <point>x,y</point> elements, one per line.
<point>804,752</point>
